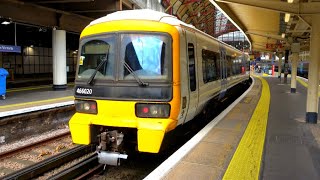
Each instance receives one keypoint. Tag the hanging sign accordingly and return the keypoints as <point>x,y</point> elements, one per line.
<point>8,48</point>
<point>273,46</point>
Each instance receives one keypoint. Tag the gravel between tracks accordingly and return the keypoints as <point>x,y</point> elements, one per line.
<point>32,139</point>
<point>11,165</point>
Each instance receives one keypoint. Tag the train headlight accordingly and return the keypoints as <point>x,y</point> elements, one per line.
<point>86,106</point>
<point>152,110</point>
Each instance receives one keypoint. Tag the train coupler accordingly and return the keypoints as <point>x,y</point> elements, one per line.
<point>110,147</point>
<point>110,158</point>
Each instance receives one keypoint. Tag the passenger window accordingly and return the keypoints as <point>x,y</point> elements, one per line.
<point>229,66</point>
<point>209,66</point>
<point>192,67</point>
<point>234,66</point>
<point>218,65</point>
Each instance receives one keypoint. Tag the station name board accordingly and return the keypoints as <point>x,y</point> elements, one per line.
<point>273,46</point>
<point>8,48</point>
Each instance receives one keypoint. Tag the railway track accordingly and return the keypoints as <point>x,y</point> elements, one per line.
<point>31,153</point>
<point>49,164</point>
<point>12,152</point>
<point>82,170</point>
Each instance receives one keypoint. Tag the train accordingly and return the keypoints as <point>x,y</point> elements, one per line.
<point>303,67</point>
<point>141,74</point>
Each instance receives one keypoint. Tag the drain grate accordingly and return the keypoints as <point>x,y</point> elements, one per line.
<point>285,139</point>
<point>288,139</point>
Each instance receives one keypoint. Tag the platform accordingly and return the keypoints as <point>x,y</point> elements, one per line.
<point>249,140</point>
<point>34,98</point>
<point>292,146</point>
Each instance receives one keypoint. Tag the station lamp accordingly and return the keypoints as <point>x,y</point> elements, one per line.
<point>5,21</point>
<point>286,17</point>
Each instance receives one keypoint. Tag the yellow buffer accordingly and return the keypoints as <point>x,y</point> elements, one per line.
<point>80,129</point>
<point>121,114</point>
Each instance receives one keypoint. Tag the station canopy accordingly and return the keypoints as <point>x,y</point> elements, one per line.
<point>262,25</point>
<point>272,25</point>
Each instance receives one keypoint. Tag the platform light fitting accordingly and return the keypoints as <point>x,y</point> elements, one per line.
<point>6,22</point>
<point>287,17</point>
<point>283,35</point>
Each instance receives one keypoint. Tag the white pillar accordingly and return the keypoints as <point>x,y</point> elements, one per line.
<point>313,78</point>
<point>294,62</point>
<point>59,59</point>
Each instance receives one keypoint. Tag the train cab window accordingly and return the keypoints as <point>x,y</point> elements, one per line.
<point>93,52</point>
<point>192,67</point>
<point>147,56</point>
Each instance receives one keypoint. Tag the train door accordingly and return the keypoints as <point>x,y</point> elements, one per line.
<point>223,70</point>
<point>192,102</point>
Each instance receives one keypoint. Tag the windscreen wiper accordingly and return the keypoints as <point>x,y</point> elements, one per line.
<point>139,80</point>
<point>91,79</point>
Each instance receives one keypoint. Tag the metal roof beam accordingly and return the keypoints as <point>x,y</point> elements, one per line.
<point>298,31</point>
<point>306,19</point>
<point>301,8</point>
<point>228,13</point>
<point>64,1</point>
<point>42,16</point>
<point>267,35</point>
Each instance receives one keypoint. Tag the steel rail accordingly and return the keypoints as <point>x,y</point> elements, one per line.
<point>50,163</point>
<point>82,170</point>
<point>94,171</point>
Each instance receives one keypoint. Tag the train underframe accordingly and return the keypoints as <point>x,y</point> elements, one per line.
<point>110,147</point>
<point>113,143</point>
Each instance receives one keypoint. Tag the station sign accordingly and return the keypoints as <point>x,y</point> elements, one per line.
<point>273,46</point>
<point>8,48</point>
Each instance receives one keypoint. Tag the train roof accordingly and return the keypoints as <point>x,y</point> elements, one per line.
<point>150,15</point>
<point>141,14</point>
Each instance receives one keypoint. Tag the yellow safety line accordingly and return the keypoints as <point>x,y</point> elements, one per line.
<point>303,83</point>
<point>32,88</point>
<point>27,88</point>
<point>246,161</point>
<point>35,102</point>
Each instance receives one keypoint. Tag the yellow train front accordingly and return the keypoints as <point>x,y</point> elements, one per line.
<point>133,82</point>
